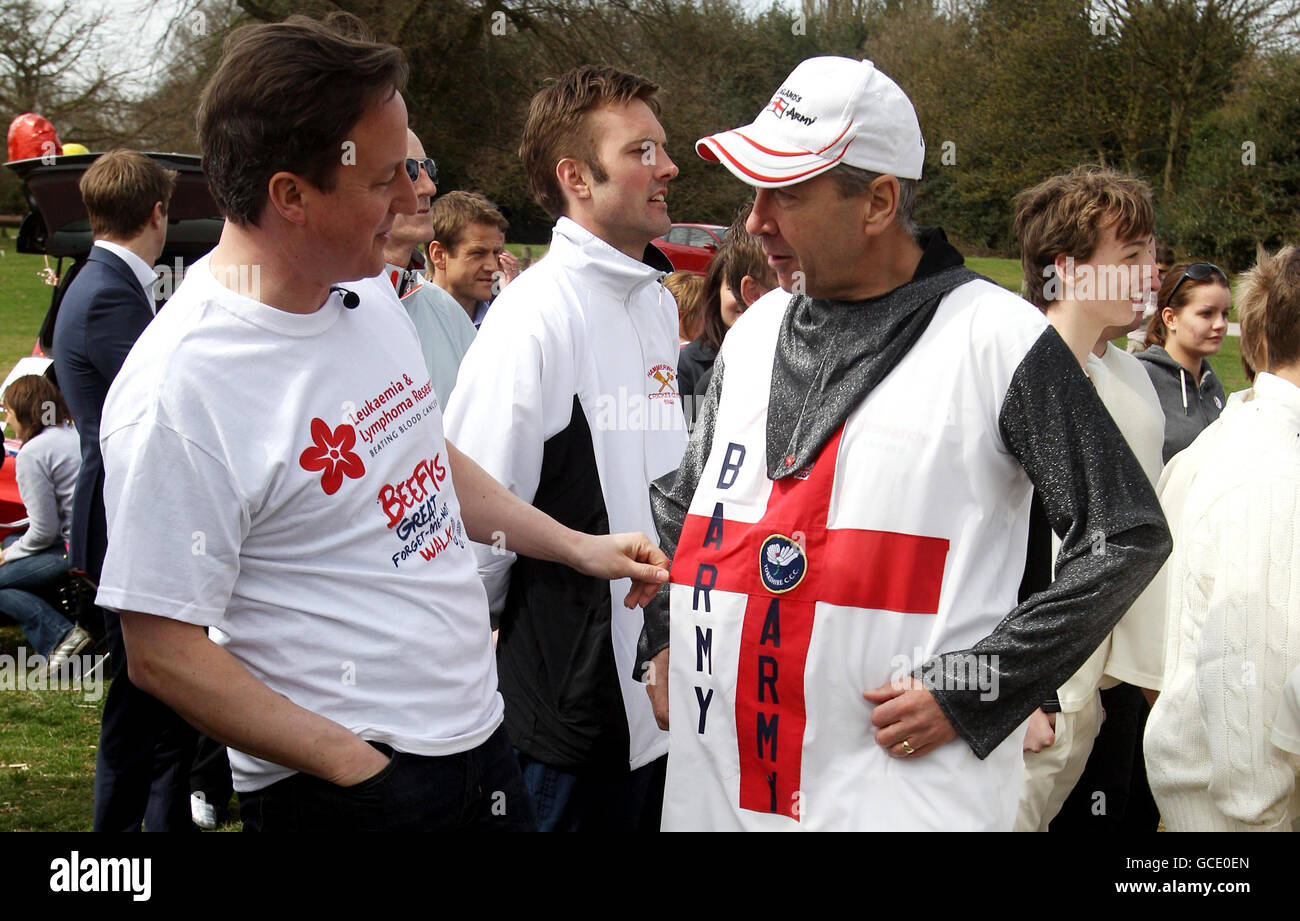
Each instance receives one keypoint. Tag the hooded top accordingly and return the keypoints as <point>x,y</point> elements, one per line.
<point>1188,408</point>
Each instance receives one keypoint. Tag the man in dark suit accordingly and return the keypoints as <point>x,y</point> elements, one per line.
<point>145,750</point>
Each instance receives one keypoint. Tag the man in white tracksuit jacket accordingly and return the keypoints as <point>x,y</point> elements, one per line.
<point>568,396</point>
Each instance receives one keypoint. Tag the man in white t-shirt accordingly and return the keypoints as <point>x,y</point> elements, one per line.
<point>275,468</point>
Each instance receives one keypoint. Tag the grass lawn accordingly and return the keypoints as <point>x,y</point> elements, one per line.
<point>47,755</point>
<point>48,741</point>
<point>539,249</point>
<point>1227,365</point>
<point>1005,272</point>
<point>24,298</point>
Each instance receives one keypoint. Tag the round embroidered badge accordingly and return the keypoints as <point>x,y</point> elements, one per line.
<point>782,563</point>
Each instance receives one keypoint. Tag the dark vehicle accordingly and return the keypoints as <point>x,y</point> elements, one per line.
<point>691,247</point>
<point>57,226</point>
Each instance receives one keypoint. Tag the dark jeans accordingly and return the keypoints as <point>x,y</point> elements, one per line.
<point>1117,770</point>
<point>142,768</point>
<point>478,790</point>
<point>595,800</point>
<point>43,626</point>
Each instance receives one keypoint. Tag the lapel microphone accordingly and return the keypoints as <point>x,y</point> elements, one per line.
<point>350,298</point>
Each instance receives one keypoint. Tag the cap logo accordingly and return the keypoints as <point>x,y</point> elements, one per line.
<point>782,106</point>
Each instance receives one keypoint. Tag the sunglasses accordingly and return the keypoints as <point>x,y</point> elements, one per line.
<point>1197,271</point>
<point>413,165</point>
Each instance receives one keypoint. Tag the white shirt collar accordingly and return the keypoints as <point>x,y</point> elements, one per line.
<point>143,271</point>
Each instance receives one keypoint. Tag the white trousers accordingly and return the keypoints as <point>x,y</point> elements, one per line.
<point>1051,774</point>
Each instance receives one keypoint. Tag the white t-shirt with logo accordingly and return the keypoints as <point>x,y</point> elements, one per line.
<point>284,478</point>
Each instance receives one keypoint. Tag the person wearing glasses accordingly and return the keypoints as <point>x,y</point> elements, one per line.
<point>275,467</point>
<point>443,329</point>
<point>1190,322</point>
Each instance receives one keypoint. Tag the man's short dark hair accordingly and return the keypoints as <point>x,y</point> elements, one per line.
<point>286,96</point>
<point>119,191</point>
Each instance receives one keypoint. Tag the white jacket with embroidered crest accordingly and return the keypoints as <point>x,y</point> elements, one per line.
<point>586,328</point>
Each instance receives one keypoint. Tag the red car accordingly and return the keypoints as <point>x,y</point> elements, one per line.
<point>691,247</point>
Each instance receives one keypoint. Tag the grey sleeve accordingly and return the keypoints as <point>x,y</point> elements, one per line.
<point>670,497</point>
<point>36,489</point>
<point>1113,541</point>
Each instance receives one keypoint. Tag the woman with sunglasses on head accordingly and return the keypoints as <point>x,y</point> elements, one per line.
<point>1189,325</point>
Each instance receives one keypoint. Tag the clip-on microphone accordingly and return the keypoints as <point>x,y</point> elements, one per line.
<point>350,298</point>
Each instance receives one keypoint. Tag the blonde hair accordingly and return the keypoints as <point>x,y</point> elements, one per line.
<point>1268,301</point>
<point>687,288</point>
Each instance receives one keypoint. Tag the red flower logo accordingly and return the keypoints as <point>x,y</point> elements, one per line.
<point>332,453</point>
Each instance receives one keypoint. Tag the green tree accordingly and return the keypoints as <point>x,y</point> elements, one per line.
<point>1241,184</point>
<point>1190,51</point>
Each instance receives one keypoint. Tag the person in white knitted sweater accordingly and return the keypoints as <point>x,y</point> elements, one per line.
<point>1233,628</point>
<point>1286,726</point>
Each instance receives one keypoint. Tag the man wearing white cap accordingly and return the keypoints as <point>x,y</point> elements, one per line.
<point>850,517</point>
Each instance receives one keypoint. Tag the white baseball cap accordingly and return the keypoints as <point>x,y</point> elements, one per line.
<point>830,110</point>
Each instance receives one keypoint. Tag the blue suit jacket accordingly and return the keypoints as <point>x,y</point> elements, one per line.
<point>102,313</point>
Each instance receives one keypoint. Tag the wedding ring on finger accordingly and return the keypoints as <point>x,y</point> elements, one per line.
<point>907,747</point>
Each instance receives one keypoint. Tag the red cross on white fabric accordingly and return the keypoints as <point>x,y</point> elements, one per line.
<point>858,568</point>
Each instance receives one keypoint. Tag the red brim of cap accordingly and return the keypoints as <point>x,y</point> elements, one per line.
<point>765,166</point>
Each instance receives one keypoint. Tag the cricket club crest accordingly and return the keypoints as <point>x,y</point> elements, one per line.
<point>782,563</point>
